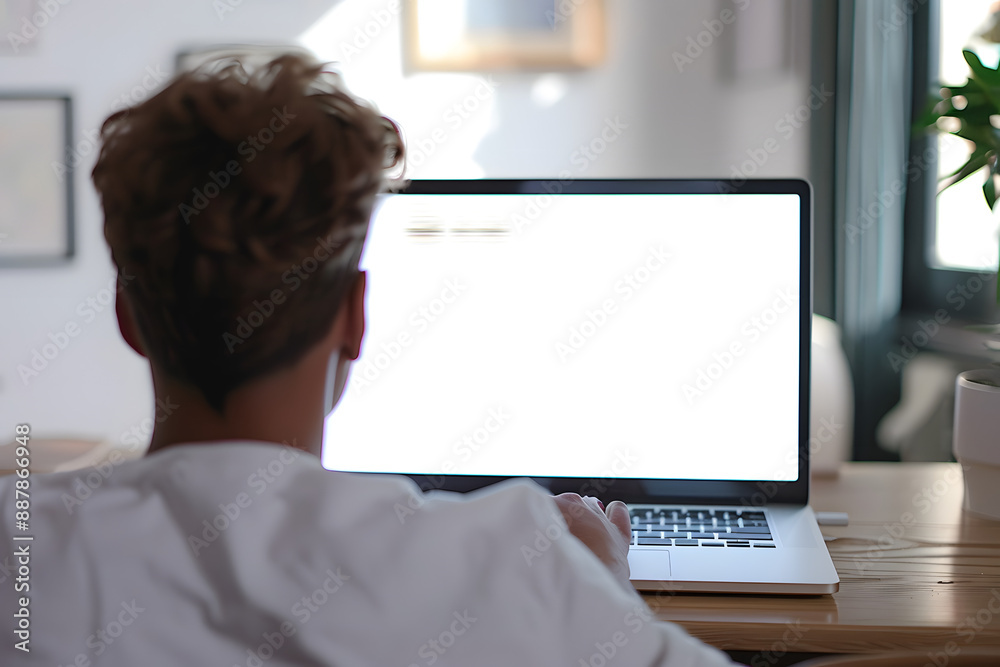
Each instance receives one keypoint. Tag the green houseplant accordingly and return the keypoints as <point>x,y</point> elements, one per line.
<point>973,104</point>
<point>975,108</point>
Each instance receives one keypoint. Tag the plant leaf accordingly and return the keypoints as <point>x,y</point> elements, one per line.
<point>988,79</point>
<point>976,134</point>
<point>980,71</point>
<point>974,164</point>
<point>990,189</point>
<point>977,155</point>
<point>930,116</point>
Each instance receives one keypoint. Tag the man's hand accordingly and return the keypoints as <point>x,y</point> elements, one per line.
<point>606,533</point>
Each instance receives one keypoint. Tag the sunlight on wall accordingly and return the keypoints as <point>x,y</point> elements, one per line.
<point>549,89</point>
<point>444,116</point>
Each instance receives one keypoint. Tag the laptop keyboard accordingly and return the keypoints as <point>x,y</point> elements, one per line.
<point>738,528</point>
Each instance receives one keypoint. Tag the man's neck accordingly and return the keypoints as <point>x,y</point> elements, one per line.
<point>278,409</point>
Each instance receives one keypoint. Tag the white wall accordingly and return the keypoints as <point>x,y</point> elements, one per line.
<point>697,122</point>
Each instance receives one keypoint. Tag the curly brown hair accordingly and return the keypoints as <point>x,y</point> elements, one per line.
<point>237,204</point>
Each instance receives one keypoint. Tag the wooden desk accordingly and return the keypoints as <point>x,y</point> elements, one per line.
<point>915,573</point>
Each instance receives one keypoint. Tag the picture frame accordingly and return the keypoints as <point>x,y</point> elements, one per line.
<point>37,166</point>
<point>477,35</point>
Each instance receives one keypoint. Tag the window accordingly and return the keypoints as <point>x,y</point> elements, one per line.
<point>965,230</point>
<point>950,247</point>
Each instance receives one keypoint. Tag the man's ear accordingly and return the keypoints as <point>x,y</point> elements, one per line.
<point>355,311</point>
<point>127,325</point>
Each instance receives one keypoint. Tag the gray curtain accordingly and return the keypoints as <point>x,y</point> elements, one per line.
<point>872,137</point>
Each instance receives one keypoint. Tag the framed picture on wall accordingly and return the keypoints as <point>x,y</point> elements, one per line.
<point>464,35</point>
<point>36,179</point>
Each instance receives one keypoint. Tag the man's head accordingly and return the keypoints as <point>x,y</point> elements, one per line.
<point>236,206</point>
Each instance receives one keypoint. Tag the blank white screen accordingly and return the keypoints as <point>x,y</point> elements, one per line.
<point>684,368</point>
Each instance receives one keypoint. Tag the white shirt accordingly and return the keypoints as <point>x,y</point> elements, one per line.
<point>252,554</point>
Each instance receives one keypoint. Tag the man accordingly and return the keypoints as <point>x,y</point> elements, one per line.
<point>236,207</point>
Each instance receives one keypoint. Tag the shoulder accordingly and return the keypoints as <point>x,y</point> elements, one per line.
<point>335,557</point>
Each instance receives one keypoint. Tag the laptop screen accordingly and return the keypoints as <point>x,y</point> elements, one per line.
<point>625,334</point>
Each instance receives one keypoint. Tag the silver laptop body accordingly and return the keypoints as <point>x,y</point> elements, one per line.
<point>639,340</point>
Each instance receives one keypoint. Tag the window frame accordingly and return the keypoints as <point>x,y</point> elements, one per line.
<point>928,289</point>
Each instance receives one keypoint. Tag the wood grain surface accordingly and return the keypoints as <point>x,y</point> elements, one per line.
<point>916,572</point>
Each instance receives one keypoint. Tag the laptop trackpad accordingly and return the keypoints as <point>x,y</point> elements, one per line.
<point>649,564</point>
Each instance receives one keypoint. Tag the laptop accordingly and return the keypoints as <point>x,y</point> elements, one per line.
<point>639,340</point>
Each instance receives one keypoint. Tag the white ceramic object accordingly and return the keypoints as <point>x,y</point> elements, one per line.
<point>976,441</point>
<point>831,400</point>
